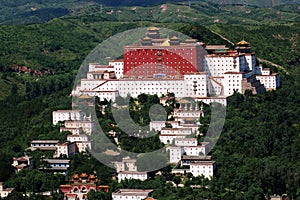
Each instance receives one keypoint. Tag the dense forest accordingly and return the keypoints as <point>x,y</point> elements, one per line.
<point>256,155</point>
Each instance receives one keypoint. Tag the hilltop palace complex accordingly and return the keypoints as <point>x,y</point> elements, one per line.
<point>156,65</point>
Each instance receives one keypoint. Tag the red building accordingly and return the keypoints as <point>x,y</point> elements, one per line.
<point>80,186</point>
<point>157,55</point>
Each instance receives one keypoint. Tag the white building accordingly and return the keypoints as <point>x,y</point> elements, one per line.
<point>127,164</point>
<point>63,115</point>
<point>131,194</point>
<point>168,135</point>
<point>87,126</point>
<point>132,175</point>
<point>82,142</point>
<point>201,149</point>
<point>44,145</point>
<point>205,168</point>
<point>4,192</point>
<point>188,147</point>
<point>197,165</point>
<point>175,154</point>
<point>270,81</point>
<point>67,148</point>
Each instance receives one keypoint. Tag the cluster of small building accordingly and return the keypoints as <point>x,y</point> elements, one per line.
<point>185,152</point>
<point>74,121</point>
<point>207,73</point>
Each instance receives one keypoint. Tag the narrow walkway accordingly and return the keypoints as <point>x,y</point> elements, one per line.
<point>224,38</point>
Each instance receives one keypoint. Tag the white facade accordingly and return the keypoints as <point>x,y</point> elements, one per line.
<point>217,65</point>
<point>271,82</point>
<point>63,115</point>
<point>109,89</point>
<point>132,175</point>
<point>131,194</point>
<point>205,168</point>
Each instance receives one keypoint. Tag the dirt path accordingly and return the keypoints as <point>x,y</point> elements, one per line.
<point>273,64</point>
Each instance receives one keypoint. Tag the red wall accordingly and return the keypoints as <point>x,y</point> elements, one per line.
<point>145,60</point>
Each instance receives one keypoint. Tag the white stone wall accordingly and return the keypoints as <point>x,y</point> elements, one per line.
<point>232,81</point>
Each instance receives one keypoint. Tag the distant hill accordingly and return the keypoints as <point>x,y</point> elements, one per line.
<point>37,11</point>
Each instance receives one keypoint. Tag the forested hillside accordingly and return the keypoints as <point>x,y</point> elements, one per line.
<point>256,155</point>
